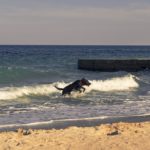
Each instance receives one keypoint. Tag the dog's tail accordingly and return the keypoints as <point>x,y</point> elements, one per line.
<point>58,88</point>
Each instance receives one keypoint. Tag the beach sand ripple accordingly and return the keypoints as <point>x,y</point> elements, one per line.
<point>116,136</point>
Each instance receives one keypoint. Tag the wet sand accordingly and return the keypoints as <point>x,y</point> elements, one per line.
<point>116,136</point>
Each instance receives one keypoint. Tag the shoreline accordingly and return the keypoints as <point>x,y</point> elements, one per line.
<point>82,122</point>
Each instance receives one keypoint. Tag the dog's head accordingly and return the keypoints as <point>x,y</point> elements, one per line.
<point>85,82</point>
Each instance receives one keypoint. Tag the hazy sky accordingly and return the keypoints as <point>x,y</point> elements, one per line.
<point>75,22</point>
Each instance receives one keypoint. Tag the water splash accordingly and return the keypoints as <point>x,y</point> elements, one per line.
<point>114,84</point>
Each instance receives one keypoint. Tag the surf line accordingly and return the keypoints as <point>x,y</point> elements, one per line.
<point>83,122</point>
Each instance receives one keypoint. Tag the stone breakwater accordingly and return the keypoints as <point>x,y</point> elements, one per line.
<point>114,64</point>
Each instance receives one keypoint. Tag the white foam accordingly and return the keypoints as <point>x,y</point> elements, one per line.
<point>15,92</point>
<point>114,84</point>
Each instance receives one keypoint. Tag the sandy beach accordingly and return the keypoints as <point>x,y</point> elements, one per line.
<point>116,136</point>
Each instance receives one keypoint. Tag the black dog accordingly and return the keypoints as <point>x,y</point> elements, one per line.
<point>75,86</point>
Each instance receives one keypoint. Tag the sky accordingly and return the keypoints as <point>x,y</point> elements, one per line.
<point>75,22</point>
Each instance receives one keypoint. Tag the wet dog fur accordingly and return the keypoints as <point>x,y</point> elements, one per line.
<point>75,86</point>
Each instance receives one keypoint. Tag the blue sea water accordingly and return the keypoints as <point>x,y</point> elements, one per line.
<point>28,75</point>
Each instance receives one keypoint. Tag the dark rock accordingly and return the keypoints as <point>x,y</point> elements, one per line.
<point>113,133</point>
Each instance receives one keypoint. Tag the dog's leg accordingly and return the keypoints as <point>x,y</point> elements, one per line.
<point>80,90</point>
<point>83,89</point>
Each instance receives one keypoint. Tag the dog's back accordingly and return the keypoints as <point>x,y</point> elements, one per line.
<point>71,87</point>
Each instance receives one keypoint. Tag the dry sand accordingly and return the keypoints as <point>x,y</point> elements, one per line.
<point>117,136</point>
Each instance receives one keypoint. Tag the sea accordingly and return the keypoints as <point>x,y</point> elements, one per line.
<point>29,74</point>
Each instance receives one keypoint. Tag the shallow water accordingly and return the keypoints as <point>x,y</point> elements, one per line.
<point>28,75</point>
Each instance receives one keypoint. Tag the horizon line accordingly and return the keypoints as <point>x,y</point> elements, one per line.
<point>74,44</point>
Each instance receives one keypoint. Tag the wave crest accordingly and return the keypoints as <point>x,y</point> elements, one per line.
<point>114,84</point>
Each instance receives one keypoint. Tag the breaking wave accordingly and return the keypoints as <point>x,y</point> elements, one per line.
<point>114,84</point>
